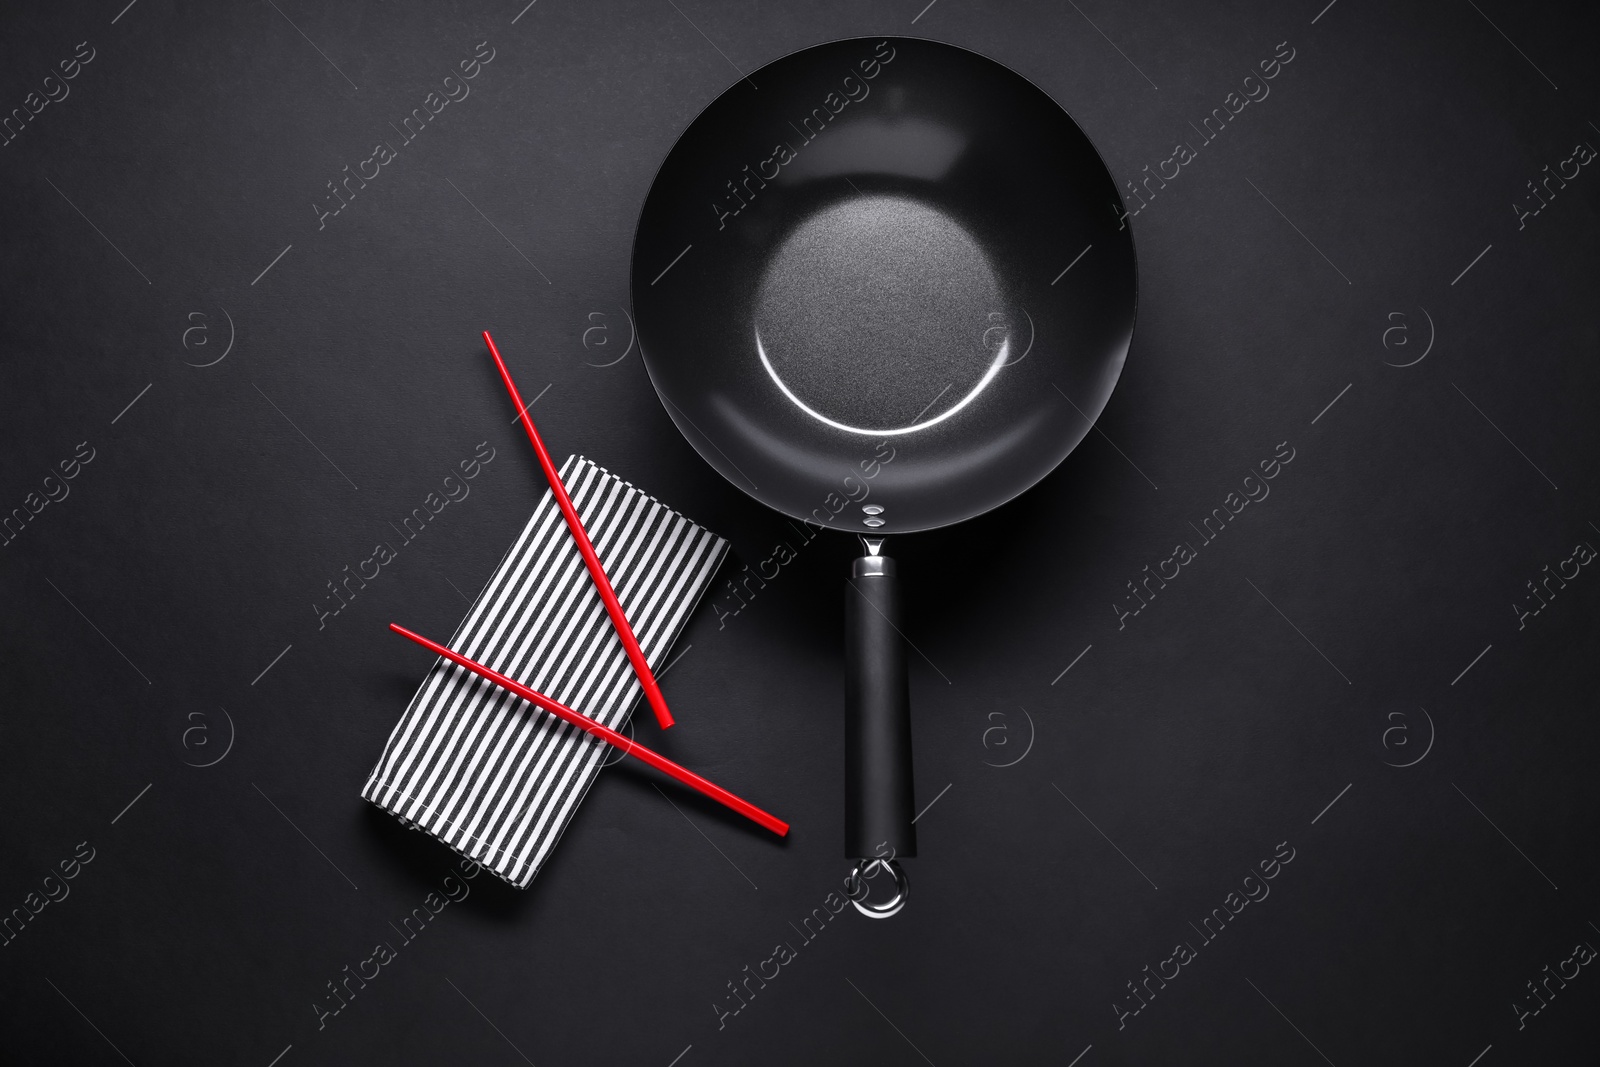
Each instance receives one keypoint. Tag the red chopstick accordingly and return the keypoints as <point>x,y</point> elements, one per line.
<point>647,680</point>
<point>606,734</point>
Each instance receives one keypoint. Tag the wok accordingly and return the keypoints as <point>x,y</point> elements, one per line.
<point>883,285</point>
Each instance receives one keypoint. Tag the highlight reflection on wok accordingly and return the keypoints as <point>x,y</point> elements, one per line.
<point>995,367</point>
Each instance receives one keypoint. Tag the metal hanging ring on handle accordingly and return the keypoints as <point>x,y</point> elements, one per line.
<point>902,888</point>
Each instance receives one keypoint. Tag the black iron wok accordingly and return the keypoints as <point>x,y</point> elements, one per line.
<point>883,285</point>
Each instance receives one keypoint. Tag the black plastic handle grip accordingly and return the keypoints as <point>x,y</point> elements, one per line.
<point>877,715</point>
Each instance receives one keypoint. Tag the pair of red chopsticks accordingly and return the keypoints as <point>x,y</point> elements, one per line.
<point>619,620</point>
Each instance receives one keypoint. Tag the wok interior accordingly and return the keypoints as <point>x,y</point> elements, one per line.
<point>867,324</point>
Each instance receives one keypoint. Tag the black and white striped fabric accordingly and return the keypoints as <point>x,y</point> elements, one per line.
<point>487,773</point>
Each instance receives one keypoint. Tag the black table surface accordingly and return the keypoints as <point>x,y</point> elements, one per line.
<point>1324,792</point>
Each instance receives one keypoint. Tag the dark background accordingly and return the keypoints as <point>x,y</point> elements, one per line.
<point>1328,635</point>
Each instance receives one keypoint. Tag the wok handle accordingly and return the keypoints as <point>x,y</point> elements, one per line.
<point>877,713</point>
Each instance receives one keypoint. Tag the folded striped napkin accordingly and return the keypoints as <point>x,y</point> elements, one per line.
<point>486,772</point>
